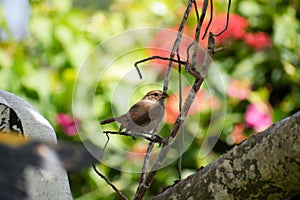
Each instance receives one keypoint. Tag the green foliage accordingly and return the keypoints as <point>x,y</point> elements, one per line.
<point>260,71</point>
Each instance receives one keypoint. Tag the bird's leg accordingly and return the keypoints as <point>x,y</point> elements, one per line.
<point>133,135</point>
<point>157,139</point>
<point>148,136</point>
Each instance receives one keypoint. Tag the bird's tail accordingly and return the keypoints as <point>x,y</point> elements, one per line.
<point>107,121</point>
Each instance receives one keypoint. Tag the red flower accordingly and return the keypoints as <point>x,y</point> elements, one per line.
<point>236,28</point>
<point>258,116</point>
<point>162,44</point>
<point>259,40</point>
<point>67,124</point>
<point>203,102</point>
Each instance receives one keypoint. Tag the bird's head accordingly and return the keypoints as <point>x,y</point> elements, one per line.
<point>156,95</point>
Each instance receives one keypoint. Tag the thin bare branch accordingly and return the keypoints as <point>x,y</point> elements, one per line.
<point>106,143</point>
<point>196,9</point>
<point>180,109</point>
<point>210,19</point>
<point>159,58</point>
<point>200,21</point>
<point>208,55</point>
<point>227,20</point>
<point>153,138</point>
<point>197,35</point>
<point>145,164</point>
<point>139,71</point>
<point>123,197</point>
<point>177,43</point>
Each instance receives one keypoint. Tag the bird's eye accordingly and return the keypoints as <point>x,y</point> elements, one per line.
<point>156,94</point>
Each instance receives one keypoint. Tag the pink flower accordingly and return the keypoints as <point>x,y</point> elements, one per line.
<point>67,124</point>
<point>258,116</point>
<point>239,89</point>
<point>259,40</point>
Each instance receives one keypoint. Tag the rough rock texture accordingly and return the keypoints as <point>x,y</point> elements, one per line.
<point>265,166</point>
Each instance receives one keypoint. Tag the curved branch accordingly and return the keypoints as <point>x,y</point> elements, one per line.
<point>227,21</point>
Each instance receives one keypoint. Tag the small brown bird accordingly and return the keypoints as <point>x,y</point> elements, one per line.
<point>144,116</point>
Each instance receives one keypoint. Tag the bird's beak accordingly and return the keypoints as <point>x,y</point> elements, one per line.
<point>164,96</point>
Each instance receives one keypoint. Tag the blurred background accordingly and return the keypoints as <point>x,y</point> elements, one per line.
<point>45,43</point>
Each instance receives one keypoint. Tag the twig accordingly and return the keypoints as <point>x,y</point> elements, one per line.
<point>208,55</point>
<point>180,109</point>
<point>196,9</point>
<point>139,71</point>
<point>146,160</point>
<point>154,138</point>
<point>227,20</point>
<point>160,58</point>
<point>210,19</point>
<point>106,143</point>
<point>123,197</point>
<point>196,39</point>
<point>177,43</point>
<point>146,164</point>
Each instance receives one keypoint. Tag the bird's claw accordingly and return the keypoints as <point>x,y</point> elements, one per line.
<point>158,139</point>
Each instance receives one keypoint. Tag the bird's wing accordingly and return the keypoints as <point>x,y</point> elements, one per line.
<point>139,113</point>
